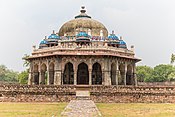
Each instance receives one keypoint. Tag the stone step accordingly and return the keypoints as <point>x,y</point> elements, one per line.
<point>82,93</point>
<point>82,98</point>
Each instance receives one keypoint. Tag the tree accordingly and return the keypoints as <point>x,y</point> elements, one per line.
<point>2,72</point>
<point>144,73</point>
<point>162,72</point>
<point>172,58</point>
<point>11,76</point>
<point>23,77</point>
<point>26,63</point>
<point>7,75</point>
<point>171,76</point>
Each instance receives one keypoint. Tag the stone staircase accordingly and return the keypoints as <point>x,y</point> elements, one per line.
<point>82,106</point>
<point>82,93</point>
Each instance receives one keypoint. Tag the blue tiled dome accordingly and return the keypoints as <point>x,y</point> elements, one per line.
<point>53,36</point>
<point>113,36</point>
<point>122,44</point>
<point>82,34</point>
<point>43,42</point>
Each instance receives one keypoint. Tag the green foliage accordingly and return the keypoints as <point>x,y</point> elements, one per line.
<point>171,76</point>
<point>159,73</point>
<point>7,75</point>
<point>26,63</point>
<point>23,77</point>
<point>144,73</point>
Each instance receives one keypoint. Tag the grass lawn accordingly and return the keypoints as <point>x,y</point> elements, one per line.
<point>136,110</point>
<point>31,109</point>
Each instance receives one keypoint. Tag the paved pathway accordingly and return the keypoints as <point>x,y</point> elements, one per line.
<point>81,108</point>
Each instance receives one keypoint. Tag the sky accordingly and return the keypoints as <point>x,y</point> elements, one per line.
<point>149,25</point>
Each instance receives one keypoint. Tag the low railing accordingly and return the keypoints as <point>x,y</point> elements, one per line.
<point>101,50</point>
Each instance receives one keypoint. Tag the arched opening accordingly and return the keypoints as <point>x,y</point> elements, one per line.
<point>83,74</point>
<point>36,75</point>
<point>68,75</point>
<point>129,75</point>
<point>43,74</point>
<point>51,73</point>
<point>96,74</point>
<point>121,74</point>
<point>113,74</point>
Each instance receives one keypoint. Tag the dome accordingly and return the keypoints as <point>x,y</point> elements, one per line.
<point>43,42</point>
<point>113,36</point>
<point>122,44</point>
<point>82,22</point>
<point>53,36</point>
<point>82,37</point>
<point>82,34</point>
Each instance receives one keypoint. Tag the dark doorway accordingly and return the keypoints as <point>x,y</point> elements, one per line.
<point>36,75</point>
<point>68,76</point>
<point>96,74</point>
<point>83,74</point>
<point>51,74</point>
<point>113,74</point>
<point>129,75</point>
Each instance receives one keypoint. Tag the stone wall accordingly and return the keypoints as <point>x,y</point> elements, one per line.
<point>130,94</point>
<point>36,93</point>
<point>116,94</point>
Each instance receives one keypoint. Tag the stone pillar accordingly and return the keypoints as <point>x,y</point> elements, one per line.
<point>90,76</point>
<point>90,72</point>
<point>117,73</point>
<point>40,75</point>
<point>48,73</point>
<point>57,77</point>
<point>75,77</point>
<point>106,72</point>
<point>30,75</point>
<point>125,74</point>
<point>103,78</point>
<point>30,78</point>
<point>106,77</point>
<point>57,73</point>
<point>75,73</point>
<point>134,75</point>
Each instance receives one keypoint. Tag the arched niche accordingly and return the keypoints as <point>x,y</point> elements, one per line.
<point>83,74</point>
<point>96,74</point>
<point>121,74</point>
<point>43,74</point>
<point>51,73</point>
<point>35,75</point>
<point>129,75</point>
<point>68,75</point>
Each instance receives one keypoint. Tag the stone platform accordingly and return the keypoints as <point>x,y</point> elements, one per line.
<point>99,94</point>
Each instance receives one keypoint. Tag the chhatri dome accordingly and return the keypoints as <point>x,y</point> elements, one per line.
<point>83,22</point>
